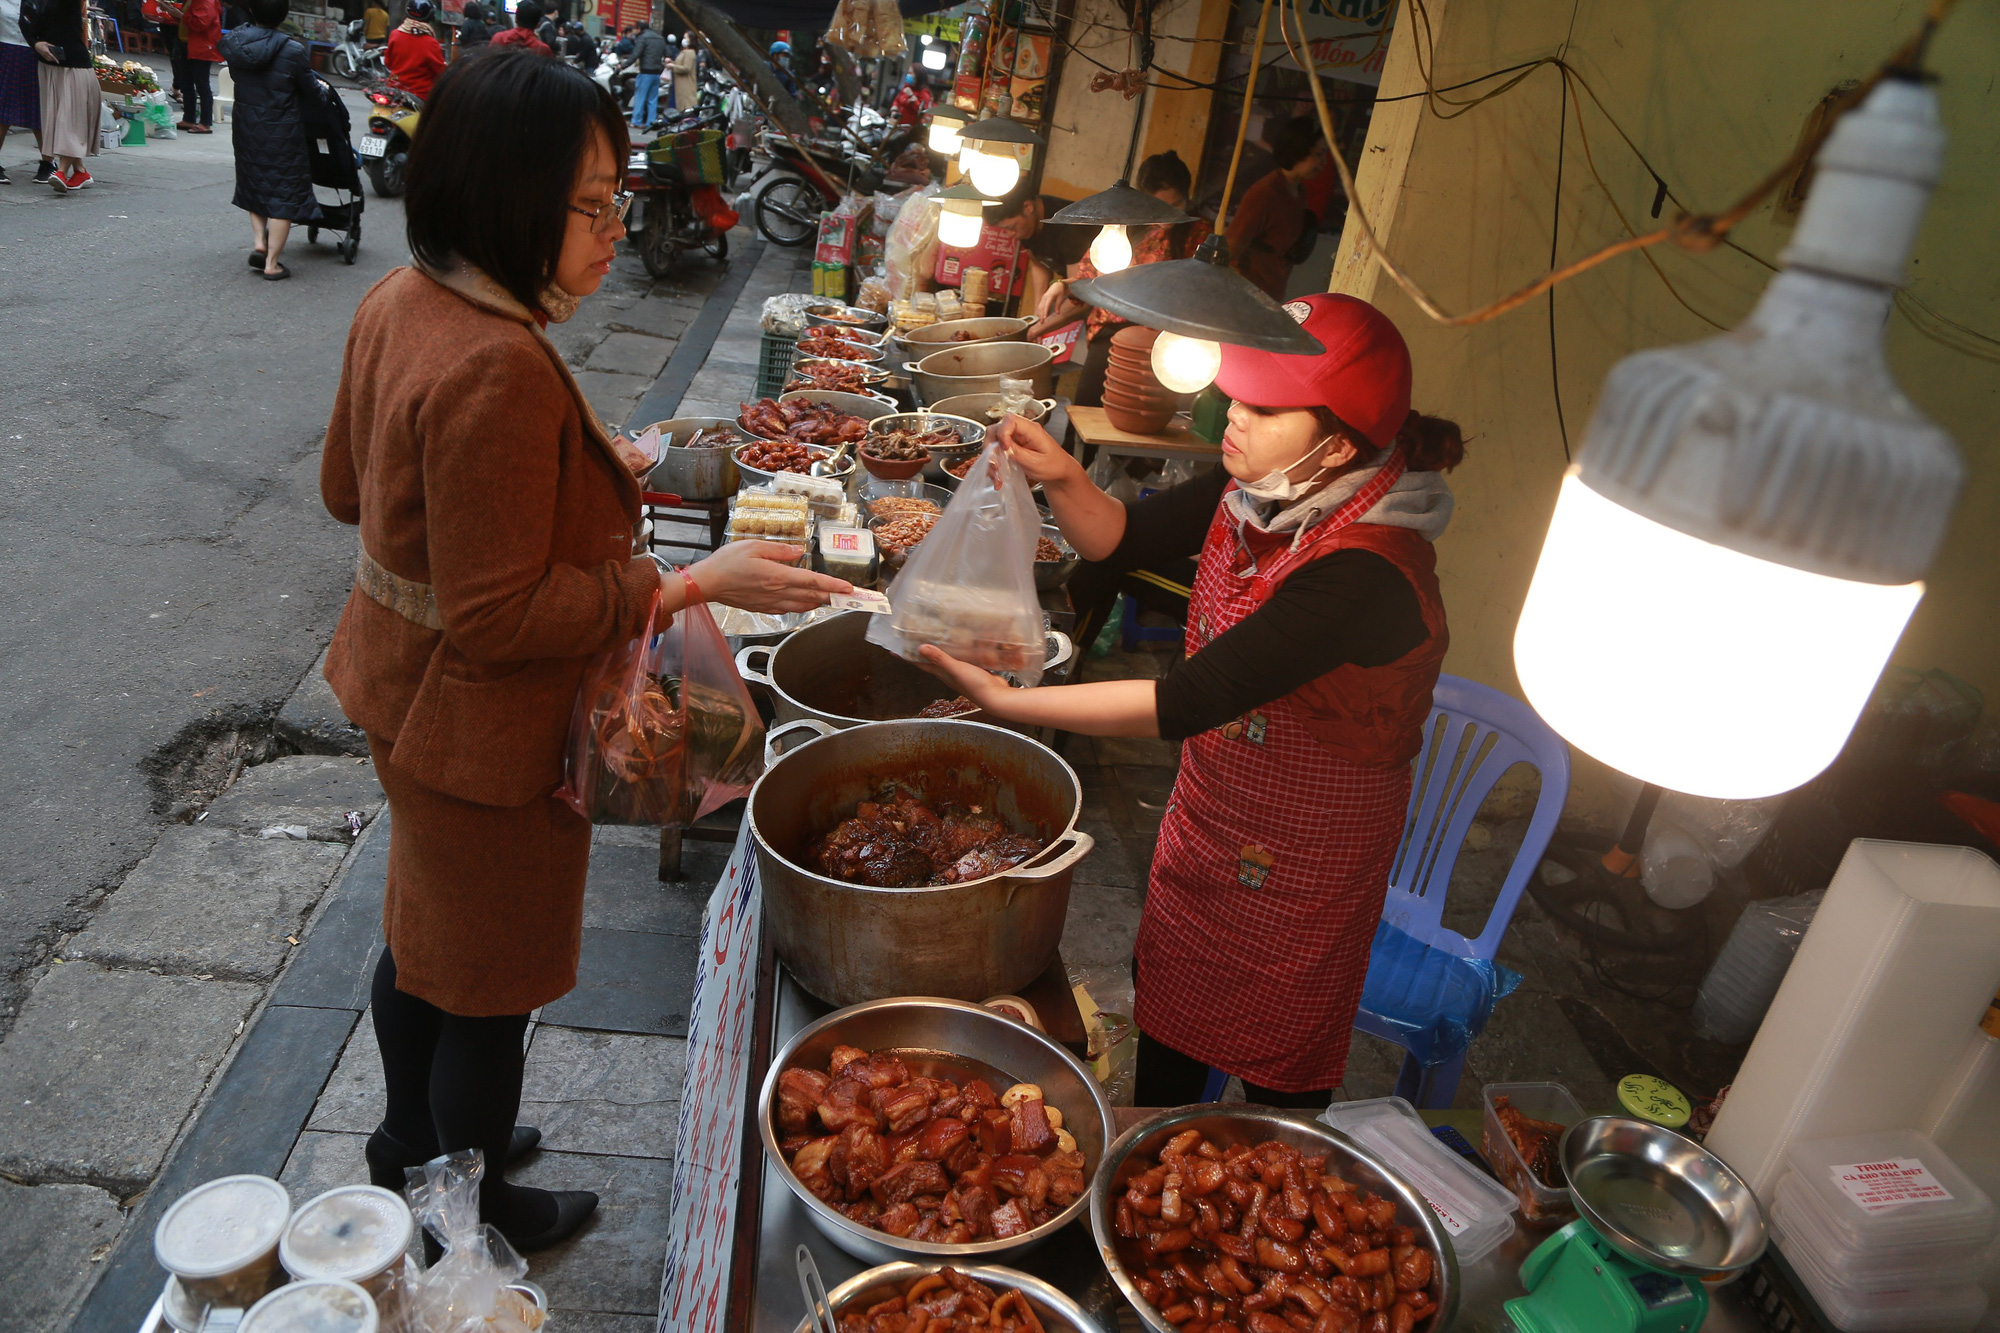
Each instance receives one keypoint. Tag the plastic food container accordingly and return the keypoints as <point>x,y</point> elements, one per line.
<point>1852,1309</point>
<point>1870,1270</point>
<point>1477,1211</point>
<point>221,1240</point>
<point>847,553</point>
<point>357,1233</point>
<point>318,1306</point>
<point>1540,1204</point>
<point>1892,1190</point>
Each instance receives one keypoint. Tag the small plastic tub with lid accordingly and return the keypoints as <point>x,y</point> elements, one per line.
<point>1477,1211</point>
<point>321,1305</point>
<point>1891,1190</point>
<point>1918,1307</point>
<point>1866,1270</point>
<point>221,1240</point>
<point>1541,1203</point>
<point>356,1233</point>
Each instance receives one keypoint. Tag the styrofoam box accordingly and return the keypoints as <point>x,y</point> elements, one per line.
<point>1477,1211</point>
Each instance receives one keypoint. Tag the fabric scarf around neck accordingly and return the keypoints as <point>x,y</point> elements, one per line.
<point>477,286</point>
<point>1387,493</point>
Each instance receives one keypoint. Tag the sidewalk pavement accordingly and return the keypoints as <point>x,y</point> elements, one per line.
<point>211,1017</point>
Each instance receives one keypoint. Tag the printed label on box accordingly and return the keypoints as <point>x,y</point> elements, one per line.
<point>1877,1187</point>
<point>996,252</point>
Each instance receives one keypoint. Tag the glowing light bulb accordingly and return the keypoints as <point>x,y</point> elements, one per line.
<point>934,57</point>
<point>1186,365</point>
<point>992,174</point>
<point>1752,675</point>
<point>944,136</point>
<point>1111,252</point>
<point>959,230</point>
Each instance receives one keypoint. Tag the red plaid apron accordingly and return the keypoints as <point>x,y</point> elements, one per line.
<point>1269,876</point>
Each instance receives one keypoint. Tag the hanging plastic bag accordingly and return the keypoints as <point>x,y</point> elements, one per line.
<point>969,587</point>
<point>664,731</point>
<point>468,1290</point>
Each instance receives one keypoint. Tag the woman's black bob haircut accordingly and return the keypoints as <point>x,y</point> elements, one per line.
<point>494,164</point>
<point>268,13</point>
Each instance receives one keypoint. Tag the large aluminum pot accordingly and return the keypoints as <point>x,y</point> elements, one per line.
<point>927,338</point>
<point>1226,1126</point>
<point>694,474</point>
<point>847,943</point>
<point>979,368</point>
<point>1059,1314</point>
<point>981,407</point>
<point>830,672</point>
<point>943,1039</point>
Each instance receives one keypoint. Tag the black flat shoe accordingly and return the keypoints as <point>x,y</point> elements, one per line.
<point>389,1158</point>
<point>573,1209</point>
<point>257,259</point>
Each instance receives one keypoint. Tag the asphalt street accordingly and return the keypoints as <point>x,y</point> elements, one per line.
<point>163,553</point>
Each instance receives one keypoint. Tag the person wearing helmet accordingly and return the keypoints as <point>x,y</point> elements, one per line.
<point>1315,632</point>
<point>415,57</point>
<point>781,65</point>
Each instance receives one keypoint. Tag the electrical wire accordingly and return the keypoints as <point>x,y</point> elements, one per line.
<point>1555,234</point>
<point>1243,125</point>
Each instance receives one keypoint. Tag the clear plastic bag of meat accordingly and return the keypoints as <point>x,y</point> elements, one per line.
<point>969,587</point>
<point>470,1289</point>
<point>664,731</point>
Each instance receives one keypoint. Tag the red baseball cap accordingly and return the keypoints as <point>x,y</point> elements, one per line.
<point>1363,376</point>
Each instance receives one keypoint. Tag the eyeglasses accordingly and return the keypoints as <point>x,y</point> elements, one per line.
<point>602,218</point>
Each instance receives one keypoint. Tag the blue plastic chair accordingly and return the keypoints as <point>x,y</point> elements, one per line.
<point>1473,735</point>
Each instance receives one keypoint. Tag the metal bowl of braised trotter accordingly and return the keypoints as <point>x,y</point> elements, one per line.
<point>898,1056</point>
<point>1232,1189</point>
<point>907,1282</point>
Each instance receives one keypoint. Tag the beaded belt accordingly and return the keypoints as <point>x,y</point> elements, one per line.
<point>413,601</point>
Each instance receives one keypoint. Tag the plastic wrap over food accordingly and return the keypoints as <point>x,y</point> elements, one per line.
<point>785,313</point>
<point>1437,1002</point>
<point>969,586</point>
<point>470,1289</point>
<point>912,248</point>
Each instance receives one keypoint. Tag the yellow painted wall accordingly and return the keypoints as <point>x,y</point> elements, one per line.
<point>1714,92</point>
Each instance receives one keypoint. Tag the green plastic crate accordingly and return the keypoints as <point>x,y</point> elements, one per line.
<point>774,364</point>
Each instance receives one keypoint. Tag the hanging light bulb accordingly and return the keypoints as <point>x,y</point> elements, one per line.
<point>946,122</point>
<point>1742,538</point>
<point>934,57</point>
<point>1186,365</point>
<point>1202,300</point>
<point>1111,252</point>
<point>995,173</point>
<point>995,151</point>
<point>961,215</point>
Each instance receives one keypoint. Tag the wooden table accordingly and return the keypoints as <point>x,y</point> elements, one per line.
<point>1091,426</point>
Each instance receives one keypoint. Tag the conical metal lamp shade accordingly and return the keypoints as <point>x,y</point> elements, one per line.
<point>1000,129</point>
<point>1120,206</point>
<point>1199,298</point>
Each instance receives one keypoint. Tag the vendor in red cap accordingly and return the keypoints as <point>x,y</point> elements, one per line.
<point>1314,636</point>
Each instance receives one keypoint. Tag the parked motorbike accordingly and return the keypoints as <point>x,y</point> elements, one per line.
<point>669,215</point>
<point>385,149</point>
<point>353,58</point>
<point>787,198</point>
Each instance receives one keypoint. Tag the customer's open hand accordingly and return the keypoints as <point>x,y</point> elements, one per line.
<point>759,576</point>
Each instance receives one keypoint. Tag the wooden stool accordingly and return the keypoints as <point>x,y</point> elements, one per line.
<point>715,512</point>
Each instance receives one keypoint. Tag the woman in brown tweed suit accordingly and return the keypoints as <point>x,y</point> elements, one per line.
<point>496,556</point>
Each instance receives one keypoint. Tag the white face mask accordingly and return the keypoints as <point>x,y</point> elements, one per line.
<point>1278,484</point>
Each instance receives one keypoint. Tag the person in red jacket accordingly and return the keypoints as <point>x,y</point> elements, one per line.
<point>415,58</point>
<point>527,16</point>
<point>200,30</point>
<point>1315,634</point>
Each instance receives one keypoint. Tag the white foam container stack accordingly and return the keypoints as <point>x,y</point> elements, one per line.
<point>1477,1211</point>
<point>1886,1231</point>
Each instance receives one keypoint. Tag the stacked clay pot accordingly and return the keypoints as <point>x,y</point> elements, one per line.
<point>1134,399</point>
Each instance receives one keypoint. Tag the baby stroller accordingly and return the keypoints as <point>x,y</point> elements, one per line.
<point>335,169</point>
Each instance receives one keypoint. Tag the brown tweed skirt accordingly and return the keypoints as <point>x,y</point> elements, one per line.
<point>484,908</point>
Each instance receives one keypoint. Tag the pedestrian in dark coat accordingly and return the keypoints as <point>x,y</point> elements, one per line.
<point>273,173</point>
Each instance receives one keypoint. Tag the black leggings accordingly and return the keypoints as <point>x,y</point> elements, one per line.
<point>1168,1078</point>
<point>453,1082</point>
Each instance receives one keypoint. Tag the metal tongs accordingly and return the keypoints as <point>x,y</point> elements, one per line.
<point>819,1310</point>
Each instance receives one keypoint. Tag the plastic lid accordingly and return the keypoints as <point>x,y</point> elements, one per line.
<point>317,1306</point>
<point>1808,1226</point>
<point>222,1226</point>
<point>1911,1306</point>
<point>353,1232</point>
<point>1892,1188</point>
<point>1477,1211</point>
<point>1652,1098</point>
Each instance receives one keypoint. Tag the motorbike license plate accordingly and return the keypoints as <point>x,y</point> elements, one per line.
<point>372,146</point>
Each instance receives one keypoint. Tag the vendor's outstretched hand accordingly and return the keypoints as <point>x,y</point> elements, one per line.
<point>1044,460</point>
<point>982,687</point>
<point>759,576</point>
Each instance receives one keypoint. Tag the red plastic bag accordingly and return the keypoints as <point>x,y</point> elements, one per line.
<point>664,731</point>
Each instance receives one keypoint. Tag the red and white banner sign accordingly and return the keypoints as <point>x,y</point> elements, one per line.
<point>715,1097</point>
